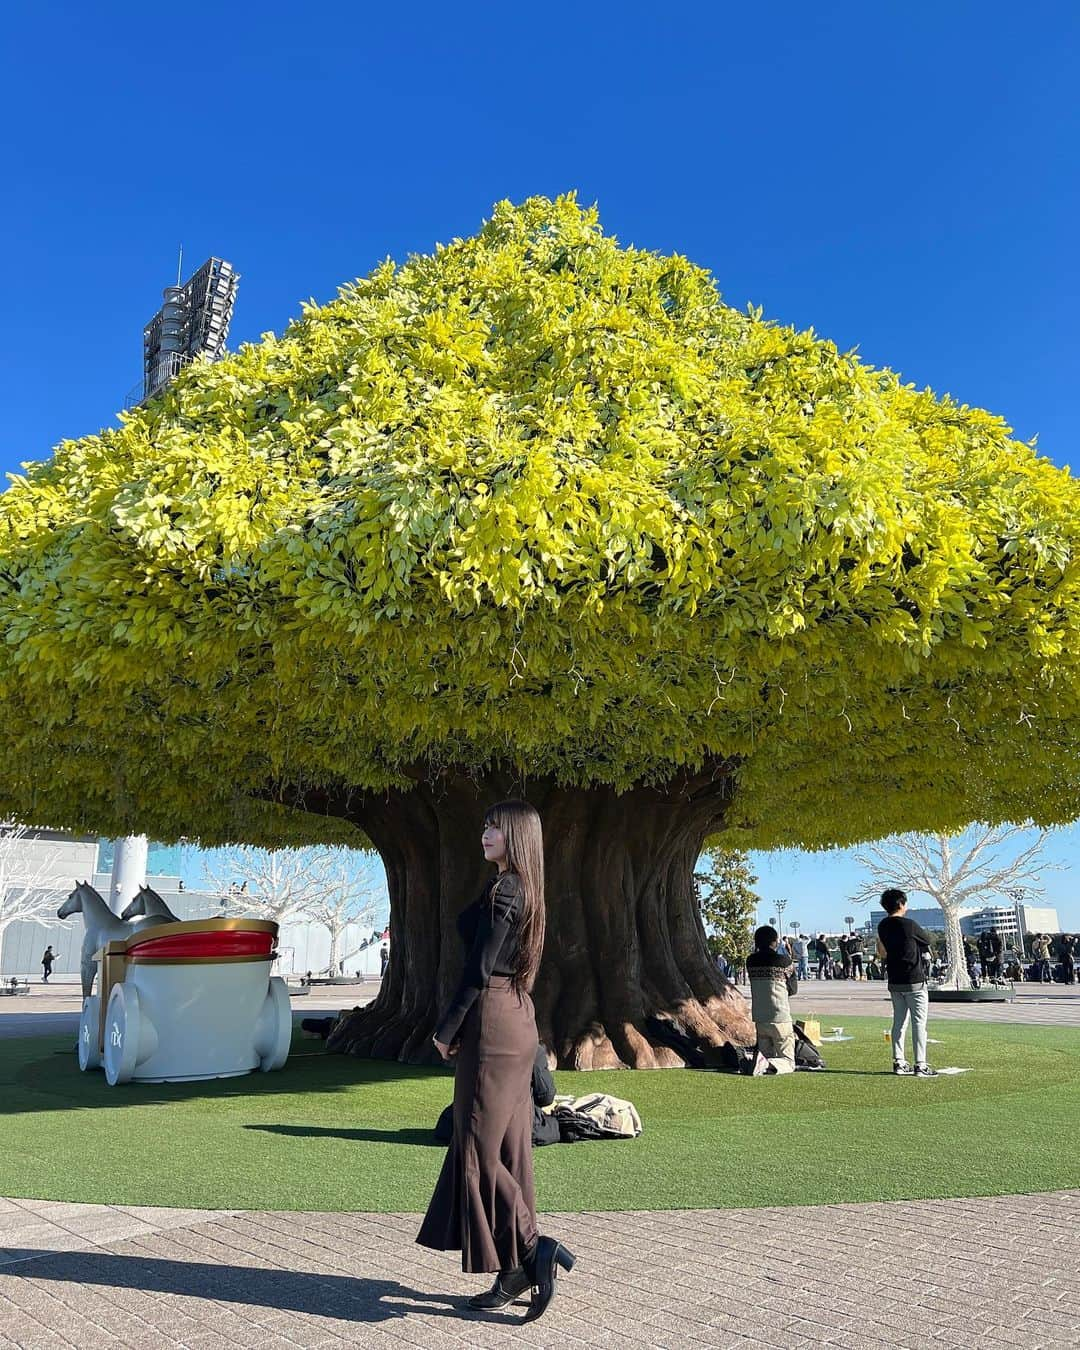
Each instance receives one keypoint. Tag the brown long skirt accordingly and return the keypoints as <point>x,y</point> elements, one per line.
<point>484,1203</point>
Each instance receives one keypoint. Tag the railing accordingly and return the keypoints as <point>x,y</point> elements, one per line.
<point>166,369</point>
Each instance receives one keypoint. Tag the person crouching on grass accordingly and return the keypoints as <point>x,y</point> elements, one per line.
<point>772,981</point>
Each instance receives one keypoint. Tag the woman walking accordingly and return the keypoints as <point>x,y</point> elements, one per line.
<point>484,1204</point>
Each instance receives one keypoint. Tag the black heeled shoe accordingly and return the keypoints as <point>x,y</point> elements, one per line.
<point>509,1285</point>
<point>544,1268</point>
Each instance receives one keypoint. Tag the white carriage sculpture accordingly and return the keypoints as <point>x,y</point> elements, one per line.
<point>189,1000</point>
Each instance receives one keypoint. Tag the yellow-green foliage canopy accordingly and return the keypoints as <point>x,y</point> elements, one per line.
<point>541,499</point>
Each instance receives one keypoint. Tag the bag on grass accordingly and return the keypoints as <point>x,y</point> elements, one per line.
<point>810,1028</point>
<point>575,1127</point>
<point>806,1053</point>
<point>597,1116</point>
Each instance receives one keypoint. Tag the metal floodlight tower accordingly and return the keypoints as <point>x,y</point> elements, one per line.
<point>193,321</point>
<point>1018,894</point>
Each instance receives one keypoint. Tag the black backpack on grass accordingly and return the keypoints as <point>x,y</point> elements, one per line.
<point>807,1055</point>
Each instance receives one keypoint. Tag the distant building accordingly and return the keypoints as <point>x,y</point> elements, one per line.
<point>933,920</point>
<point>65,859</point>
<point>1013,922</point>
<point>1005,919</point>
<point>192,322</point>
<point>1038,919</point>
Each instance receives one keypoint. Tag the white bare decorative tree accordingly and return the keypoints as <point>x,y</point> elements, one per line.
<point>275,884</point>
<point>955,871</point>
<point>350,901</point>
<point>335,887</point>
<point>30,889</point>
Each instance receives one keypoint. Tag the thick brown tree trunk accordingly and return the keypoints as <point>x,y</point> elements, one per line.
<point>625,941</point>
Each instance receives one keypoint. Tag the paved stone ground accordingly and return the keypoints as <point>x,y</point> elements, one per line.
<point>986,1273</point>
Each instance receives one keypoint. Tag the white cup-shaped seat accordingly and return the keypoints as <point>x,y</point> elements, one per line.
<point>198,1001</point>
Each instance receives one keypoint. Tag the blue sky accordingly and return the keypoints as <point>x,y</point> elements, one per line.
<point>901,177</point>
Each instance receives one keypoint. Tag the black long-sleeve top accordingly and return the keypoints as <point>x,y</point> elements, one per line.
<point>490,928</point>
<point>906,943</point>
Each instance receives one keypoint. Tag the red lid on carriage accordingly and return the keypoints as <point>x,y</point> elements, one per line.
<point>204,943</point>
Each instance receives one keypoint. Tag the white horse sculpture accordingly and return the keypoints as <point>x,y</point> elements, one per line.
<point>147,902</point>
<point>101,926</point>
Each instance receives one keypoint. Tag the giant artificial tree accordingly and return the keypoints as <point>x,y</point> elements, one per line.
<point>539,514</point>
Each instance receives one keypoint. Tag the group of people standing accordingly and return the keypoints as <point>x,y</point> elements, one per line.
<point>1052,958</point>
<point>849,960</point>
<point>987,958</point>
<point>803,953</point>
<point>1043,953</point>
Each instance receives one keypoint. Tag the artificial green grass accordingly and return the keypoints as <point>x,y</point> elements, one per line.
<point>329,1133</point>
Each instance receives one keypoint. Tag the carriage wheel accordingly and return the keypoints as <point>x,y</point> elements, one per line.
<point>273,1031</point>
<point>89,1030</point>
<point>122,1026</point>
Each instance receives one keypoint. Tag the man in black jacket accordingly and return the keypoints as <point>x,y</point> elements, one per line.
<point>905,945</point>
<point>990,950</point>
<point>1067,949</point>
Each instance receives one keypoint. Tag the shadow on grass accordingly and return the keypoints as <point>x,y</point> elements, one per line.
<point>422,1138</point>
<point>341,1296</point>
<point>860,1073</point>
<point>42,1075</point>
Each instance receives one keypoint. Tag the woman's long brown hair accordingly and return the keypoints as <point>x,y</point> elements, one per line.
<point>521,829</point>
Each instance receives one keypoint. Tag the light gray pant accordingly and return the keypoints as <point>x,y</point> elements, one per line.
<point>776,1040</point>
<point>912,1003</point>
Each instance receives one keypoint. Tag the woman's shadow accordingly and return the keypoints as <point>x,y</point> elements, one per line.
<point>345,1297</point>
<point>424,1138</point>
